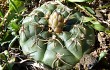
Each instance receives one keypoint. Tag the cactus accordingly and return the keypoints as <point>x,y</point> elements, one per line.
<point>54,35</point>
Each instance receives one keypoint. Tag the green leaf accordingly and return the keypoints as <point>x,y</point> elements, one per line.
<point>3,56</point>
<point>6,53</point>
<point>90,10</point>
<point>86,19</point>
<point>102,54</point>
<point>12,5</point>
<point>107,31</point>
<point>80,0</point>
<point>13,25</point>
<point>96,25</point>
<point>16,5</point>
<point>1,14</point>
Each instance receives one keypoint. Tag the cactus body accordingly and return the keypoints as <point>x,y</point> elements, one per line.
<point>54,35</point>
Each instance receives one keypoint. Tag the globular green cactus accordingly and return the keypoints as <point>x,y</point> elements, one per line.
<point>54,35</point>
